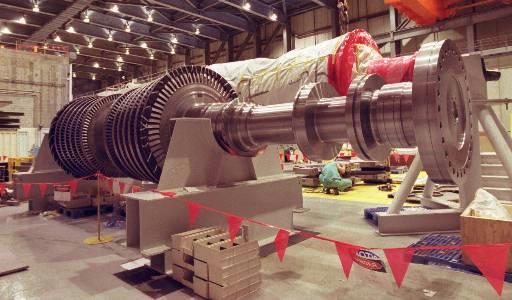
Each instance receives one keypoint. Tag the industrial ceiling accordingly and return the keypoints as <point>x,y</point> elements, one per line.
<point>124,34</point>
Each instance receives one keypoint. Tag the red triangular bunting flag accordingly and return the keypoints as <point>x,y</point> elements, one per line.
<point>193,212</point>
<point>281,156</point>
<point>345,253</point>
<point>42,189</point>
<point>2,187</point>
<point>26,190</point>
<point>122,186</point>
<point>136,189</point>
<point>491,261</point>
<point>399,259</point>
<point>168,194</point>
<point>406,158</point>
<point>234,223</point>
<point>281,243</point>
<point>73,185</point>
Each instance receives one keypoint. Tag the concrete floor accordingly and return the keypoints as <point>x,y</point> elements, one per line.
<point>62,267</point>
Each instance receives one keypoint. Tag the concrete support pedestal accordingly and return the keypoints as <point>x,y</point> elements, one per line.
<point>197,169</point>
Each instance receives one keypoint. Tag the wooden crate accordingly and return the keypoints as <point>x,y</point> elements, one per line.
<point>478,230</point>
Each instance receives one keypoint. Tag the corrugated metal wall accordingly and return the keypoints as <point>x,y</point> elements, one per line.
<point>16,143</point>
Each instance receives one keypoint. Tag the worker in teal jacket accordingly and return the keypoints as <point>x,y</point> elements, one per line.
<point>335,177</point>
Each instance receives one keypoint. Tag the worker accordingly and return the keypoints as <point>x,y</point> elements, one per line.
<point>335,177</point>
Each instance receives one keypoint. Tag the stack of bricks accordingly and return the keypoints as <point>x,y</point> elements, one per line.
<point>207,261</point>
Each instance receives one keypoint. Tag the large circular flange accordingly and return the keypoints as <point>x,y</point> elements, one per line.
<point>358,118</point>
<point>304,118</point>
<point>442,112</point>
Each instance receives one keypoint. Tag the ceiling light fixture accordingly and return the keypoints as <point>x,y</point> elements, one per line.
<point>149,13</point>
<point>93,76</point>
<point>120,58</point>
<point>86,16</point>
<point>114,8</point>
<point>127,27</point>
<point>96,65</point>
<point>74,74</point>
<point>71,29</point>
<point>197,32</point>
<point>110,36</point>
<point>22,20</point>
<point>247,5</point>
<point>57,39</point>
<point>5,30</point>
<point>174,39</point>
<point>35,8</point>
<point>273,16</point>
<point>126,51</point>
<point>119,68</point>
<point>90,44</point>
<point>144,45</point>
<point>173,50</point>
<point>77,50</point>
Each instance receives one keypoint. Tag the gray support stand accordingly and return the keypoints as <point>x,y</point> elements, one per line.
<point>197,169</point>
<point>443,215</point>
<point>44,169</point>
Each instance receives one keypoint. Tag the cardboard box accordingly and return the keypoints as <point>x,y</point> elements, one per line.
<point>201,287</point>
<point>238,290</point>
<point>183,276</point>
<point>478,230</point>
<point>227,274</point>
<point>183,241</point>
<point>220,248</point>
<point>182,259</point>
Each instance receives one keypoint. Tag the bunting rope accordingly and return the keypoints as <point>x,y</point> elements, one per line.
<point>490,259</point>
